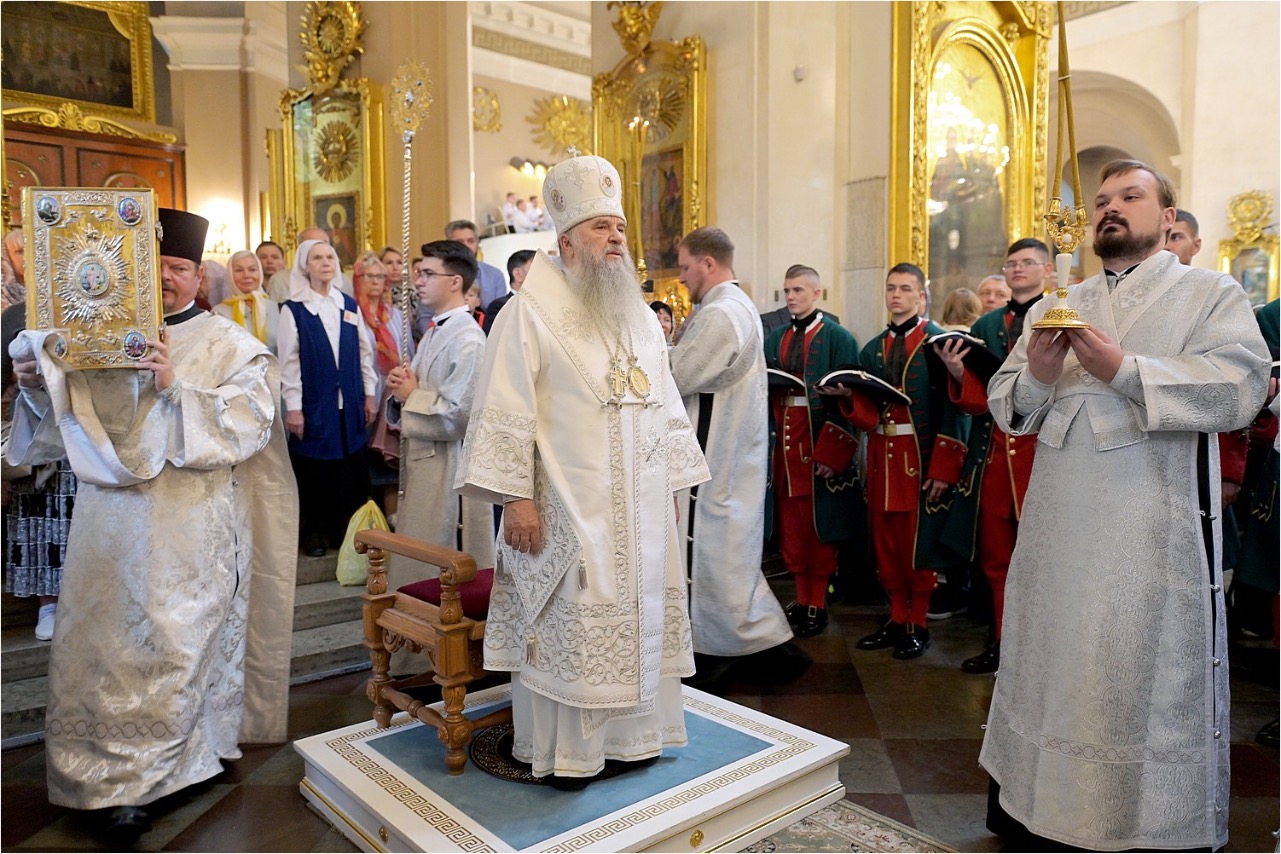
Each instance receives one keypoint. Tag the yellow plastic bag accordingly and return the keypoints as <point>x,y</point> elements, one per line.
<point>353,567</point>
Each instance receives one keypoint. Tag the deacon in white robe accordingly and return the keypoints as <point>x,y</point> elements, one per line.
<point>433,419</point>
<point>172,643</point>
<point>1108,728</point>
<point>579,429</point>
<point>719,365</point>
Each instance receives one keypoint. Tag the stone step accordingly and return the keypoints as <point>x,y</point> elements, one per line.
<point>21,655</point>
<point>324,603</point>
<point>22,717</point>
<point>325,651</point>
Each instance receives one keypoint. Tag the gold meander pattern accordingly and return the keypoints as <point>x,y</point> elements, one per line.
<point>345,747</point>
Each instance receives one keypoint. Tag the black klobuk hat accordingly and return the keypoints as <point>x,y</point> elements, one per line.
<point>183,234</point>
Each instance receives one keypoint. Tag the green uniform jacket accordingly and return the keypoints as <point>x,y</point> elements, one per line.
<point>924,380</point>
<point>1258,563</point>
<point>959,530</point>
<point>837,500</point>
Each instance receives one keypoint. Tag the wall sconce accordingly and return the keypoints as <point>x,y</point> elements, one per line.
<point>529,168</point>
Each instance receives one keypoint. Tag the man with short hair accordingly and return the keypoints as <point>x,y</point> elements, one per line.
<point>914,458</point>
<point>517,269</point>
<point>813,488</point>
<point>509,213</point>
<point>1108,727</point>
<point>719,367</point>
<point>985,519</point>
<point>579,432</point>
<point>993,292</point>
<point>1185,237</point>
<point>431,402</point>
<point>169,647</point>
<point>272,258</point>
<point>493,284</point>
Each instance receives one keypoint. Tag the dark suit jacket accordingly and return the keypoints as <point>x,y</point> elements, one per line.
<point>491,310</point>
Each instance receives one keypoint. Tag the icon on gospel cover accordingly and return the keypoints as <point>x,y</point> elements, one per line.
<point>129,210</point>
<point>93,279</point>
<point>48,209</point>
<point>135,345</point>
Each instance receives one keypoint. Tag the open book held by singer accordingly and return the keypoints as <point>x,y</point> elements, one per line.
<point>853,378</point>
<point>980,360</point>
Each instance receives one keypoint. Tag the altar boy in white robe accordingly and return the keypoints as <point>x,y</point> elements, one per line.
<point>172,641</point>
<point>1108,728</point>
<point>578,430</point>
<point>431,401</point>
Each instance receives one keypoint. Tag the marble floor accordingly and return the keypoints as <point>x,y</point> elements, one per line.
<point>913,730</point>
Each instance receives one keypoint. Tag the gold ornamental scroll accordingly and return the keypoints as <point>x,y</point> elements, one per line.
<point>92,274</point>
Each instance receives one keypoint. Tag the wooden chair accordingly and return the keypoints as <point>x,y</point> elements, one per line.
<point>451,641</point>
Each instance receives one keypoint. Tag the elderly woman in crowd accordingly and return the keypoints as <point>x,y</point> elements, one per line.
<point>247,304</point>
<point>329,388</point>
<point>14,270</point>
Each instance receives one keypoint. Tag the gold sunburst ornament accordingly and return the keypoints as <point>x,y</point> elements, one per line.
<point>90,283</point>
<point>486,115</point>
<point>336,147</point>
<point>331,33</point>
<point>562,122</point>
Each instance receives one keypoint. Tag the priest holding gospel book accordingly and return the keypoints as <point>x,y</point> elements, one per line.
<point>812,485</point>
<point>914,459</point>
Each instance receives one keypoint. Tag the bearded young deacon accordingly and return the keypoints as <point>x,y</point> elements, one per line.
<point>578,431</point>
<point>169,647</point>
<point>1108,727</point>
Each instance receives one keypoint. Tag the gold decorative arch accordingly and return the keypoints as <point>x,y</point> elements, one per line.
<point>650,117</point>
<point>328,158</point>
<point>987,62</point>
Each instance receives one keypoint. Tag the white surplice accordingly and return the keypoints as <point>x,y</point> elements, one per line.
<point>1108,727</point>
<point>599,616</point>
<point>184,541</point>
<point>732,609</point>
<point>433,421</point>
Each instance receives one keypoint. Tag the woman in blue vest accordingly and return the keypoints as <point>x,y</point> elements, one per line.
<point>328,386</point>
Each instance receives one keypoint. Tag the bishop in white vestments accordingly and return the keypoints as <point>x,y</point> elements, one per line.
<point>172,640</point>
<point>1108,728</point>
<point>579,431</point>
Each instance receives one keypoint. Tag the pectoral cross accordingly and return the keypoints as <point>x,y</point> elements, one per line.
<point>617,383</point>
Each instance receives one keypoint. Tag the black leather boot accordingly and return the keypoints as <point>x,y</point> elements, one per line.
<point>913,642</point>
<point>812,622</point>
<point>883,638</point>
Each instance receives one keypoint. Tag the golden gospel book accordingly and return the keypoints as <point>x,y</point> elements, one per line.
<point>93,272</point>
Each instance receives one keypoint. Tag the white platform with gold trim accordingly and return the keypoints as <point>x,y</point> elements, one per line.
<point>743,776</point>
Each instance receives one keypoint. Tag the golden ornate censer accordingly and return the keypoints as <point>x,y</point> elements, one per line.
<point>1066,226</point>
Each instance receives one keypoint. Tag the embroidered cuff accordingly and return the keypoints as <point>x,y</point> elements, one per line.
<point>1128,380</point>
<point>1030,394</point>
<point>173,392</point>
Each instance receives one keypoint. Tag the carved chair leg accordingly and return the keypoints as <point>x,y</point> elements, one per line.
<point>373,689</point>
<point>458,729</point>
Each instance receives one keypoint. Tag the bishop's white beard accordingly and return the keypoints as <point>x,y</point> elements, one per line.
<point>608,289</point>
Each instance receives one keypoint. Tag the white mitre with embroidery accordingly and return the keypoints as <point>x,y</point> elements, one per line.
<point>581,188</point>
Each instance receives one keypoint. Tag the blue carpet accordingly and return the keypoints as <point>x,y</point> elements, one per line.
<point>523,815</point>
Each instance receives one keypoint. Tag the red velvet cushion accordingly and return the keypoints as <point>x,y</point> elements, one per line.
<point>474,594</point>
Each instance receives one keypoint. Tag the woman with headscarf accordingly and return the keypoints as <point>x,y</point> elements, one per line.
<point>329,387</point>
<point>247,304</point>
<point>15,270</point>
